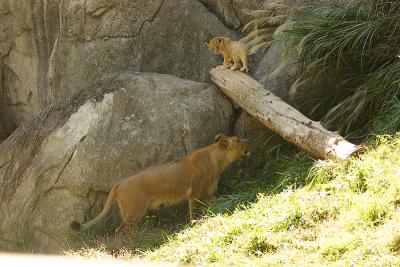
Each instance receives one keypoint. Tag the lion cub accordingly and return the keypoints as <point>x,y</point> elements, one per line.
<point>231,50</point>
<point>192,178</point>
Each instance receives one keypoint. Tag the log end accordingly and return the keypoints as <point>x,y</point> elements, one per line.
<point>341,149</point>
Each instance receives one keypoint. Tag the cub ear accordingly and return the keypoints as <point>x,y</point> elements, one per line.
<point>219,136</point>
<point>223,42</point>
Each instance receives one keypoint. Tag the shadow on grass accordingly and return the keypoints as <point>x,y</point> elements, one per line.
<point>153,231</point>
<point>280,168</point>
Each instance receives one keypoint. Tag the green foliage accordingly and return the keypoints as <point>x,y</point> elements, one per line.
<point>394,244</point>
<point>258,245</point>
<point>334,248</point>
<point>292,219</point>
<point>289,171</point>
<point>357,43</point>
<point>371,209</point>
<point>388,120</point>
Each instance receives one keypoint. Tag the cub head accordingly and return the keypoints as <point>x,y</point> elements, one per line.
<point>233,145</point>
<point>216,44</point>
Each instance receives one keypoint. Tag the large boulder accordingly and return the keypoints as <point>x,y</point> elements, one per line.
<point>51,49</point>
<point>61,165</point>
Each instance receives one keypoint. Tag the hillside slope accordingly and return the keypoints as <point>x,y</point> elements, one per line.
<point>347,213</point>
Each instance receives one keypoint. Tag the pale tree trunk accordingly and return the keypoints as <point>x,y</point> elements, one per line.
<point>280,117</point>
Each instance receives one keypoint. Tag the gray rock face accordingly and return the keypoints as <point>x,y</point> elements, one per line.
<point>63,164</point>
<point>237,13</point>
<point>277,72</point>
<point>51,49</point>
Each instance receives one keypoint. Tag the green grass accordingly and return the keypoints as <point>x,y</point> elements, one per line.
<point>388,119</point>
<point>326,213</point>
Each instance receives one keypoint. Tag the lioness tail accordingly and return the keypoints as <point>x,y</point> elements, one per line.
<point>77,226</point>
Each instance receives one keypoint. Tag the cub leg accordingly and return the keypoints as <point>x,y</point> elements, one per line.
<point>244,58</point>
<point>236,64</point>
<point>227,60</point>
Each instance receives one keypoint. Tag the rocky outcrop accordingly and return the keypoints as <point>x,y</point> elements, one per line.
<point>61,165</point>
<point>51,49</point>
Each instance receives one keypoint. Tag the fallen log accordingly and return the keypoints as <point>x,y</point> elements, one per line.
<point>280,117</point>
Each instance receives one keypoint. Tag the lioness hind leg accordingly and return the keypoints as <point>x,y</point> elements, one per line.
<point>122,229</point>
<point>132,211</point>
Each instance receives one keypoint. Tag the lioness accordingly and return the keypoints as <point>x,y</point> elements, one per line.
<point>192,178</point>
<point>231,50</point>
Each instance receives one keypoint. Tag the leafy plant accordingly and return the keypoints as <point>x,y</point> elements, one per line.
<point>357,45</point>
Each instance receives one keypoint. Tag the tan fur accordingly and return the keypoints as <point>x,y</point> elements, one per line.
<point>192,178</point>
<point>232,51</point>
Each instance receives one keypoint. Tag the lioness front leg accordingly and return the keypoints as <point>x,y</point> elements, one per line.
<point>192,203</point>
<point>211,199</point>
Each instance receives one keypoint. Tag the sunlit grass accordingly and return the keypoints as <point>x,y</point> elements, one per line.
<point>330,221</point>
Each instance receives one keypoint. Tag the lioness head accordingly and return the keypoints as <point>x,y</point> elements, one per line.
<point>216,44</point>
<point>235,146</point>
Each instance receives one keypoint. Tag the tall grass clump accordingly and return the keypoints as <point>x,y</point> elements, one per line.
<point>357,44</point>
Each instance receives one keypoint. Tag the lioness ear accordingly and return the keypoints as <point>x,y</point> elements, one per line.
<point>225,143</point>
<point>219,136</point>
